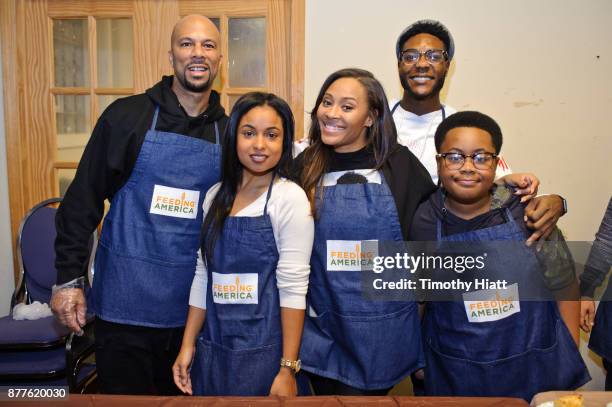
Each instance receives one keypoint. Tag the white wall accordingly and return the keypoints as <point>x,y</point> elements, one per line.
<point>540,68</point>
<point>531,65</point>
<point>7,283</point>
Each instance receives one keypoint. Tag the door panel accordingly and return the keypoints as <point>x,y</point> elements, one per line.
<point>65,61</point>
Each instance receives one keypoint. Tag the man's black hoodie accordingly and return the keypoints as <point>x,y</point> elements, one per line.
<point>109,158</point>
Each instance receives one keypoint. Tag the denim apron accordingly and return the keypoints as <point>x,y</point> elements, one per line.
<point>365,344</point>
<point>239,350</point>
<point>147,253</point>
<point>526,352</point>
<point>601,335</point>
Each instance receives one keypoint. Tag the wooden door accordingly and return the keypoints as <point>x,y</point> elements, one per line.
<point>64,61</point>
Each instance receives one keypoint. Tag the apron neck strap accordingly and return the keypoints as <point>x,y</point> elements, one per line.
<point>154,122</point>
<point>394,107</point>
<point>269,192</point>
<point>509,218</point>
<point>438,230</point>
<point>439,224</point>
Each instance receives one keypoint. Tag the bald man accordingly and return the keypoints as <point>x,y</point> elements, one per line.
<point>153,156</point>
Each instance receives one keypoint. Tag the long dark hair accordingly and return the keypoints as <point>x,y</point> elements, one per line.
<point>232,169</point>
<point>382,135</point>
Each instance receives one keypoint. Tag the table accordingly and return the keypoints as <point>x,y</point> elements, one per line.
<point>103,400</point>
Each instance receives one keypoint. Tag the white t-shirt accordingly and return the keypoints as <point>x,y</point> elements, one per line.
<point>293,229</point>
<point>300,145</point>
<point>417,133</point>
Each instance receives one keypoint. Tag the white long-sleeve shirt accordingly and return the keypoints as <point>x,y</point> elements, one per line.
<point>293,229</point>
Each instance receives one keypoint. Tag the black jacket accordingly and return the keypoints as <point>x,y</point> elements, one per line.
<point>600,257</point>
<point>109,158</point>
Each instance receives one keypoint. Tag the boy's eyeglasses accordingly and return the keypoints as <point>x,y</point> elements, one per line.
<point>454,161</point>
<point>433,56</point>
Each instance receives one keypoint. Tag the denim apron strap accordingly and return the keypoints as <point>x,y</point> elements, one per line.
<point>154,121</point>
<point>269,193</point>
<point>394,107</point>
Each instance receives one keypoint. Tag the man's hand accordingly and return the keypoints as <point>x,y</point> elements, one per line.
<point>69,306</point>
<point>284,384</point>
<point>587,314</point>
<point>525,184</point>
<point>181,367</point>
<point>542,214</point>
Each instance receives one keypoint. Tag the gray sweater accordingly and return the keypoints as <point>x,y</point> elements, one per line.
<point>600,258</point>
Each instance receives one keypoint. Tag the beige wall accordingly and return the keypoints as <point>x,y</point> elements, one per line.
<point>532,65</point>
<point>541,68</point>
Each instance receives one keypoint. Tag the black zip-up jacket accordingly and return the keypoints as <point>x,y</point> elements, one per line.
<point>109,158</point>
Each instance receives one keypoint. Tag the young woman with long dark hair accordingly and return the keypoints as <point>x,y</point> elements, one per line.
<point>252,275</point>
<point>362,186</point>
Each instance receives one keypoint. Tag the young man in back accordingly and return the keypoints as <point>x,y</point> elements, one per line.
<point>424,52</point>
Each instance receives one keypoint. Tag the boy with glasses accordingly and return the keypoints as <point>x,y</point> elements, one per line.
<point>513,351</point>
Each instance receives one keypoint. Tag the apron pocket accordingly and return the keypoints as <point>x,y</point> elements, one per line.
<point>175,245</point>
<point>132,291</point>
<point>220,371</point>
<point>367,352</point>
<point>240,333</point>
<point>558,367</point>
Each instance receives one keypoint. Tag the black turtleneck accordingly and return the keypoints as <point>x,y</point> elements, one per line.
<point>408,180</point>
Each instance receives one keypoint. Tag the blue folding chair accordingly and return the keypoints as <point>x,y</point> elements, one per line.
<point>42,351</point>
